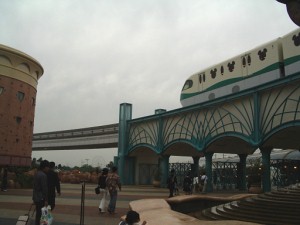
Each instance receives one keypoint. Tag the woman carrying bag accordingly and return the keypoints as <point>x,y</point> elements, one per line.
<point>103,190</point>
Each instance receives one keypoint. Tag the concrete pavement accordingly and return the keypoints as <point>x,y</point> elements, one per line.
<point>16,202</point>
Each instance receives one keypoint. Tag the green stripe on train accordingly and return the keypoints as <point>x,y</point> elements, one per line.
<point>292,60</point>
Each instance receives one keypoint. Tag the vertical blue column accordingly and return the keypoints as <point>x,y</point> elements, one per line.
<point>196,166</point>
<point>125,114</point>
<point>208,170</point>
<point>242,172</point>
<point>266,152</point>
<point>256,118</point>
<point>165,170</point>
<point>163,159</point>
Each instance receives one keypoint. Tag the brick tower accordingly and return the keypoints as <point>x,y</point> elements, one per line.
<point>19,74</point>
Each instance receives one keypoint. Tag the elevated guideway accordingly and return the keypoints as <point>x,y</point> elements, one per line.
<point>84,138</point>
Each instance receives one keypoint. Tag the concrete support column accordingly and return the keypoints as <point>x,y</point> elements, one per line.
<point>208,170</point>
<point>195,171</point>
<point>266,181</point>
<point>164,168</point>
<point>125,114</point>
<point>242,172</point>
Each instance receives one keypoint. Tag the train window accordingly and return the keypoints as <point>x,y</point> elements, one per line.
<point>249,60</point>
<point>188,84</point>
<point>231,66</point>
<point>204,77</point>
<point>213,73</point>
<point>200,78</point>
<point>222,70</point>
<point>244,61</point>
<point>262,54</point>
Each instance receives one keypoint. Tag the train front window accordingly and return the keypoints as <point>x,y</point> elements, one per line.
<point>188,84</point>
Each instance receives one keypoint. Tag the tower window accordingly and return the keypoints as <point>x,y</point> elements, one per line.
<point>20,96</point>
<point>33,101</point>
<point>18,119</point>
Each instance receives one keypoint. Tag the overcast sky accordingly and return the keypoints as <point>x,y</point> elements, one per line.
<point>97,54</point>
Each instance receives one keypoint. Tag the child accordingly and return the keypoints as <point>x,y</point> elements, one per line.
<point>132,218</point>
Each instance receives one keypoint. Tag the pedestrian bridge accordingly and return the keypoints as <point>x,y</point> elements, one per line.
<point>84,138</point>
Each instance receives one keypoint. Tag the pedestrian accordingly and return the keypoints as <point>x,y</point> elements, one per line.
<point>113,182</point>
<point>4,172</point>
<point>172,183</point>
<point>196,188</point>
<point>203,181</point>
<point>103,190</point>
<point>132,218</point>
<point>53,185</point>
<point>187,184</point>
<point>40,190</point>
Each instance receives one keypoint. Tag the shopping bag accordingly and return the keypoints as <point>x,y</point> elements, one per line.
<point>46,218</point>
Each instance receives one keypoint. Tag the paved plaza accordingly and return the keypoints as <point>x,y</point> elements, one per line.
<point>16,202</point>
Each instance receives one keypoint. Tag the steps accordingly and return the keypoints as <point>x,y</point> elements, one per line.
<point>280,207</point>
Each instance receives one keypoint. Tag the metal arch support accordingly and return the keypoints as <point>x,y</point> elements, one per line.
<point>208,170</point>
<point>266,151</point>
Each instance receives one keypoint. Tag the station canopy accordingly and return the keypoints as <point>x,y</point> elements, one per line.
<point>288,154</point>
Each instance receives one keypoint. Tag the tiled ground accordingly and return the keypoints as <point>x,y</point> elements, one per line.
<point>16,202</point>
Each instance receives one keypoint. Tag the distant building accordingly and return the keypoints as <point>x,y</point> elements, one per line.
<point>19,74</point>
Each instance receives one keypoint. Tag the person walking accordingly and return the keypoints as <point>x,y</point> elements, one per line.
<point>53,185</point>
<point>40,190</point>
<point>196,188</point>
<point>112,183</point>
<point>4,179</point>
<point>172,183</point>
<point>203,181</point>
<point>187,184</point>
<point>103,190</point>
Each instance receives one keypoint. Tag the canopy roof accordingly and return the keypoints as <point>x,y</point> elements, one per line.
<point>288,154</point>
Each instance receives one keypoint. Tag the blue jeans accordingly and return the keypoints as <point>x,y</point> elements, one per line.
<point>113,201</point>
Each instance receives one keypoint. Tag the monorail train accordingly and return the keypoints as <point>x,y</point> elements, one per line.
<point>273,60</point>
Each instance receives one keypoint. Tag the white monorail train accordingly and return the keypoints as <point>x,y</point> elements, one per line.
<point>260,65</point>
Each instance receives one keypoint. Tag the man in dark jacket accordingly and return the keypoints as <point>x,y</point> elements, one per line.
<point>172,183</point>
<point>40,190</point>
<point>53,183</point>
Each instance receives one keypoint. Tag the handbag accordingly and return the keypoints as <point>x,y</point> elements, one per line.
<point>46,217</point>
<point>97,190</point>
